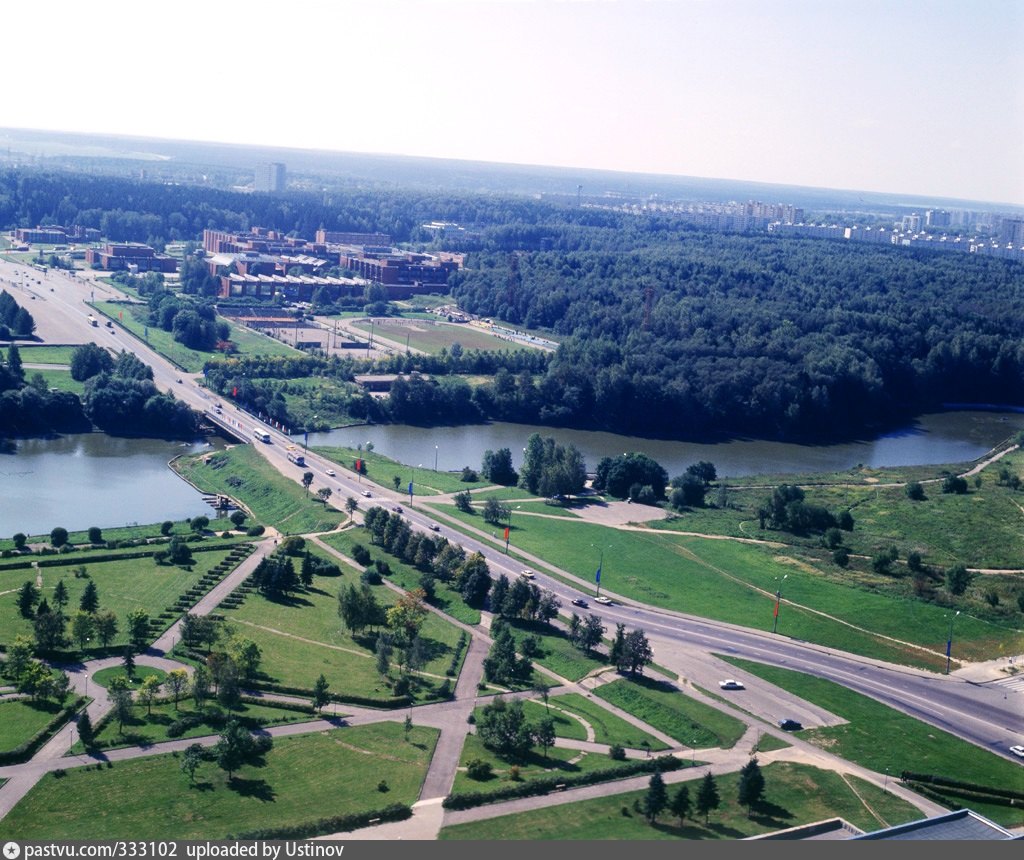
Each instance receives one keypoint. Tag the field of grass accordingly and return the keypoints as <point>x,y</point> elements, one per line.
<point>430,336</point>
<point>794,794</point>
<point>736,582</point>
<point>692,723</point>
<point>46,354</point>
<point>608,728</point>
<point>105,677</point>
<point>191,360</point>
<point>382,470</point>
<point>56,378</point>
<point>557,653</point>
<point>867,739</point>
<point>150,530</point>
<point>446,598</point>
<point>303,778</point>
<point>302,637</point>
<point>241,472</point>
<point>146,728</point>
<point>123,585</point>
<point>559,762</point>
<point>20,719</point>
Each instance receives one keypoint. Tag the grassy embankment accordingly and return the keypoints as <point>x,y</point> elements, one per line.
<point>179,528</point>
<point>301,779</point>
<point>132,317</point>
<point>867,739</point>
<point>242,473</point>
<point>382,470</point>
<point>794,794</point>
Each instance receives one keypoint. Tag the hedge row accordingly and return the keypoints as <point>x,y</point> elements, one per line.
<point>453,666</point>
<point>545,785</point>
<point>96,557</point>
<point>910,776</point>
<point>322,826</point>
<point>340,698</point>
<point>25,751</point>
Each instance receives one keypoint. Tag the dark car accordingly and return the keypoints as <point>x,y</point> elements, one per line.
<point>579,601</point>
<point>789,725</point>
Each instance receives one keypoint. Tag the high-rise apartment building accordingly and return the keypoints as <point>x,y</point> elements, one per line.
<point>270,176</point>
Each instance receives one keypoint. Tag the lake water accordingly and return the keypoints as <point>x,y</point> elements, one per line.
<point>946,437</point>
<point>92,479</point>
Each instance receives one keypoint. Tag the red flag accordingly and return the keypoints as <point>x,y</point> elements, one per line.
<point>775,614</point>
<point>234,391</point>
<point>506,532</point>
<point>359,465</point>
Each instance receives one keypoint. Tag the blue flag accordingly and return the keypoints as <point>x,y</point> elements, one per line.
<point>410,488</point>
<point>597,576</point>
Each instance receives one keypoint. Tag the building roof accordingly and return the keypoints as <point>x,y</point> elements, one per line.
<point>959,825</point>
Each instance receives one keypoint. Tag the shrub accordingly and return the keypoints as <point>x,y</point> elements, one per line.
<point>479,769</point>
<point>254,531</point>
<point>617,752</point>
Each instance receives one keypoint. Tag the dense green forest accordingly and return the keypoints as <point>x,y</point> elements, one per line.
<point>668,330</point>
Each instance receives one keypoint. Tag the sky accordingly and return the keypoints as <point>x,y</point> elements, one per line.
<point>922,97</point>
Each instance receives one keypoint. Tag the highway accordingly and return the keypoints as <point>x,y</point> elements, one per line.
<point>990,716</point>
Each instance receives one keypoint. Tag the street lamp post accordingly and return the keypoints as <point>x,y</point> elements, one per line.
<point>949,640</point>
<point>778,600</point>
<point>435,458</point>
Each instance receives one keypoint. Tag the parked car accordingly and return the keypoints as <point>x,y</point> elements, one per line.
<point>731,684</point>
<point>790,725</point>
<point>1017,751</point>
<point>603,599</point>
<point>579,601</point>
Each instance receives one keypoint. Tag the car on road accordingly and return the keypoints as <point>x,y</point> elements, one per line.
<point>579,601</point>
<point>179,379</point>
<point>434,527</point>
<point>397,509</point>
<point>790,725</point>
<point>529,574</point>
<point>329,472</point>
<point>367,493</point>
<point>731,684</point>
<point>1017,751</point>
<point>602,599</point>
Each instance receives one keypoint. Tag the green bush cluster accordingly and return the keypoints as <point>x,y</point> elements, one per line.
<point>337,824</point>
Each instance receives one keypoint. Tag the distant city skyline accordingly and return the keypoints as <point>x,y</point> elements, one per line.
<point>917,98</point>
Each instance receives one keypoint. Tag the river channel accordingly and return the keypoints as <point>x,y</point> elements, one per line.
<point>945,437</point>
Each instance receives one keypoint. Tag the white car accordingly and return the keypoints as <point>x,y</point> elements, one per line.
<point>731,684</point>
<point>367,493</point>
<point>528,574</point>
<point>1017,751</point>
<point>434,527</point>
<point>329,472</point>
<point>603,599</point>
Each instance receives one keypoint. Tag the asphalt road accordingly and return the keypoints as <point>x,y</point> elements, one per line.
<point>989,716</point>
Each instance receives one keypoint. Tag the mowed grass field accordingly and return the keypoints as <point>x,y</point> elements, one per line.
<point>20,719</point>
<point>302,637</point>
<point>123,585</point>
<point>241,472</point>
<point>794,794</point>
<point>303,778</point>
<point>736,582</point>
<point>867,738</point>
<point>131,317</point>
<point>608,728</point>
<point>382,470</point>
<point>56,378</point>
<point>431,336</point>
<point>46,354</point>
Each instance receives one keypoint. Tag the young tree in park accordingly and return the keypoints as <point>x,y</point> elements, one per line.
<point>148,691</point>
<point>58,536</point>
<point>407,726</point>
<point>407,616</point>
<point>234,747</point>
<point>502,727</point>
<point>90,599</point>
<point>382,654</point>
<point>307,479</point>
<point>60,688</point>
<point>105,624</point>
<point>957,579</point>
<point>83,627</point>
<point>121,704</point>
<point>95,534</point>
<point>28,598</point>
<point>60,595</point>
<point>586,633</point>
<point>615,652</point>
<point>636,652</point>
<point>19,654</point>
<point>128,662</point>
<point>166,527</point>
<point>320,695</point>
<point>681,804</point>
<point>707,796</point>
<point>751,785</point>
<point>237,518</point>
<point>85,729</point>
<point>20,540</point>
<point>323,494</point>
<point>656,799</point>
<point>138,628</point>
<point>176,684</point>
<point>190,761</point>
<point>544,734</point>
<point>350,507</point>
<point>200,686</point>
<point>48,628</point>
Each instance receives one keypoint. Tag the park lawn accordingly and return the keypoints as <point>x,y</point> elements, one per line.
<point>150,728</point>
<point>795,794</point>
<point>302,636</point>
<point>56,378</point>
<point>608,727</point>
<point>105,677</point>
<point>152,530</point>
<point>559,762</point>
<point>122,585</point>
<point>667,709</point>
<point>867,739</point>
<point>46,354</point>
<point>383,470</point>
<point>565,726</point>
<point>446,599</point>
<point>736,582</point>
<point>557,653</point>
<point>303,778</point>
<point>131,316</point>
<point>242,473</point>
<point>20,719</point>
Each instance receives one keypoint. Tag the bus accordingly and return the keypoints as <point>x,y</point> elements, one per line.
<point>261,435</point>
<point>296,458</point>
<point>93,321</point>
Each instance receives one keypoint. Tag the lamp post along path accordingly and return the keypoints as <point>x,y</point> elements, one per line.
<point>778,600</point>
